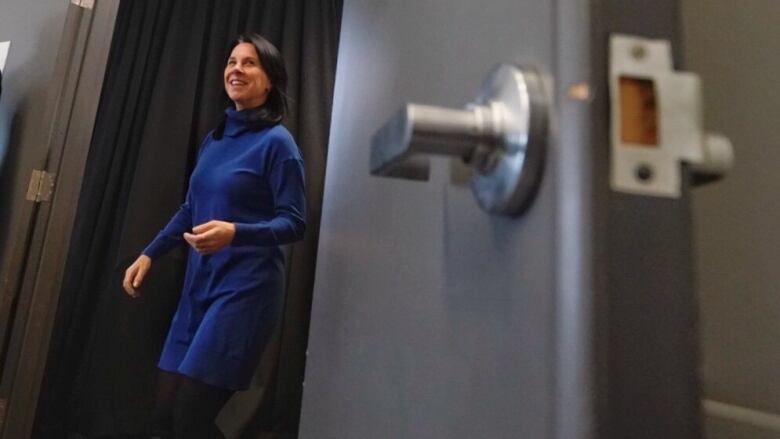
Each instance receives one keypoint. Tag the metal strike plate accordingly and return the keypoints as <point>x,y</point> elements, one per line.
<point>502,136</point>
<point>657,121</point>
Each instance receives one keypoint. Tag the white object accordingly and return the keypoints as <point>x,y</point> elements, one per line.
<point>655,169</point>
<point>4,46</point>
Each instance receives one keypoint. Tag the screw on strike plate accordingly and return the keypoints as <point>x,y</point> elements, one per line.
<point>638,51</point>
<point>644,173</point>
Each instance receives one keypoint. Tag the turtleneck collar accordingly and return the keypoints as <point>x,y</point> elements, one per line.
<point>238,122</point>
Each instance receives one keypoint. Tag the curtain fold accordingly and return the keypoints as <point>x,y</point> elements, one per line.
<point>163,92</point>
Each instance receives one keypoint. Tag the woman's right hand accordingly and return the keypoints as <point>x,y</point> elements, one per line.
<point>134,275</point>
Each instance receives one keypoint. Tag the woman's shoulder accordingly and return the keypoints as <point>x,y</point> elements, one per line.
<point>279,133</point>
<point>207,140</point>
<point>279,141</point>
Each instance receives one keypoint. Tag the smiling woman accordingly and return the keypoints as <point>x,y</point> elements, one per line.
<point>164,93</point>
<point>246,198</point>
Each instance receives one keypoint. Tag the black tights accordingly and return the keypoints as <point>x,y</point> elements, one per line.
<point>187,408</point>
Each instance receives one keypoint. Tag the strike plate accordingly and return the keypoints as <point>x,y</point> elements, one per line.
<point>656,119</point>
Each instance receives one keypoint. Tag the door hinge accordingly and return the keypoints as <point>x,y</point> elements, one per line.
<point>86,4</point>
<point>41,186</point>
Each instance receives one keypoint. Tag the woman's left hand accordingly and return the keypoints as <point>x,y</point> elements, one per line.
<point>210,237</point>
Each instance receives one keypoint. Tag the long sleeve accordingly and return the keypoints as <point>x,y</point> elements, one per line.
<point>287,185</point>
<point>171,235</point>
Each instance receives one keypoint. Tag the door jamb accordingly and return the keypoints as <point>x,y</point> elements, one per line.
<point>36,275</point>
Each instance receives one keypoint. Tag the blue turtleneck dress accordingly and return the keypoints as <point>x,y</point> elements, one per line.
<point>231,299</point>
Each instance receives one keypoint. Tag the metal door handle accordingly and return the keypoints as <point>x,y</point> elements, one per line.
<point>423,129</point>
<point>501,135</point>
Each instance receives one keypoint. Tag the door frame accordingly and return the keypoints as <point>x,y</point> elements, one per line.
<point>645,305</point>
<point>34,268</point>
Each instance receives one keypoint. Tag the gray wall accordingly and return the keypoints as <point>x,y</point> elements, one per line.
<point>34,29</point>
<point>734,47</point>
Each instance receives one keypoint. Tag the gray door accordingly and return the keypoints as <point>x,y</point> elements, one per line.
<point>434,319</point>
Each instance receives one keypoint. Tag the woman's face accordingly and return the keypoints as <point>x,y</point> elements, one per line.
<point>246,83</point>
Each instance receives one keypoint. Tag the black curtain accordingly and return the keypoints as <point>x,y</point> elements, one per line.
<point>162,94</point>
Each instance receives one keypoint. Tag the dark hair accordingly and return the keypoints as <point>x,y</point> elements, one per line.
<point>275,107</point>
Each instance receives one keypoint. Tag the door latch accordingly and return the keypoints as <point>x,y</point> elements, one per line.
<point>502,135</point>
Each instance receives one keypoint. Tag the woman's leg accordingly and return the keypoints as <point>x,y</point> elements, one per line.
<point>197,406</point>
<point>161,422</point>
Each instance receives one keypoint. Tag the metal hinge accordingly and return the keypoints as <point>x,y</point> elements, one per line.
<point>86,4</point>
<point>41,186</point>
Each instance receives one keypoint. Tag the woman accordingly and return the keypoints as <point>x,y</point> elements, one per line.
<point>246,197</point>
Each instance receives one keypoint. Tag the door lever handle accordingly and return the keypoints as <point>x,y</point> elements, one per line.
<point>501,135</point>
<point>399,148</point>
